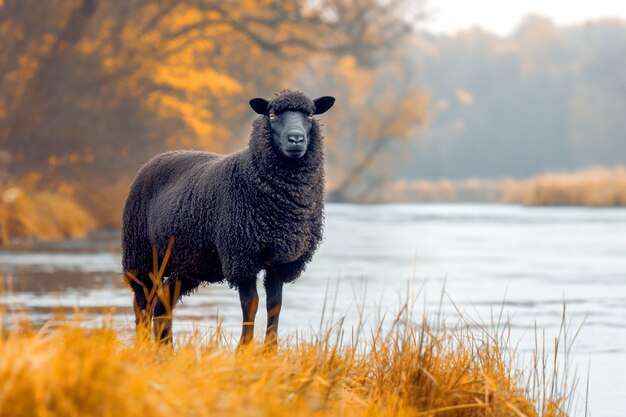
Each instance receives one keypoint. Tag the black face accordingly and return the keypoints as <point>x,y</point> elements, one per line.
<point>290,131</point>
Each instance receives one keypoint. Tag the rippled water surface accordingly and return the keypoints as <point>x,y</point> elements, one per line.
<point>527,262</point>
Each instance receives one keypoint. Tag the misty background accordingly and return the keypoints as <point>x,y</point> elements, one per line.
<point>90,90</point>
<point>544,98</point>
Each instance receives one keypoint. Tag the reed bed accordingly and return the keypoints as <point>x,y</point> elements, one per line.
<point>27,213</point>
<point>410,369</point>
<point>594,187</point>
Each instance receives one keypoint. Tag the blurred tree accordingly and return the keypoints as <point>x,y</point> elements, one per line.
<point>381,109</point>
<point>368,73</point>
<point>545,98</point>
<point>90,89</point>
<point>598,102</point>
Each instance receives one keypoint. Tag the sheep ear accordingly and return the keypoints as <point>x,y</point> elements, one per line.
<point>259,105</point>
<point>322,104</point>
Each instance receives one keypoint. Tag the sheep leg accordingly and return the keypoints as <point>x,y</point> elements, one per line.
<point>249,299</point>
<point>141,316</point>
<point>274,291</point>
<point>141,286</point>
<point>275,277</point>
<point>174,288</point>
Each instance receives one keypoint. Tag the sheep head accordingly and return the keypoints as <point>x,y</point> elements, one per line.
<point>290,116</point>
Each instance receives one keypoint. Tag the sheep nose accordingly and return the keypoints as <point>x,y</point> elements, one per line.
<point>295,138</point>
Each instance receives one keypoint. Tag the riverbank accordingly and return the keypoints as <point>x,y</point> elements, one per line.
<point>596,187</point>
<point>410,370</point>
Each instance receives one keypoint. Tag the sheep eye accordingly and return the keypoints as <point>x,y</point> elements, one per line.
<point>310,117</point>
<point>272,116</point>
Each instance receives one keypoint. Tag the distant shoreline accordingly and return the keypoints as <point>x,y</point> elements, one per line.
<point>43,215</point>
<point>594,187</point>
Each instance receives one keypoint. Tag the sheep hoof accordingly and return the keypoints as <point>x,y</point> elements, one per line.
<point>244,346</point>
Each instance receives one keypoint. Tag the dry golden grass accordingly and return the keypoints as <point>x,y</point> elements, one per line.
<point>45,215</point>
<point>406,368</point>
<point>410,370</point>
<point>596,187</point>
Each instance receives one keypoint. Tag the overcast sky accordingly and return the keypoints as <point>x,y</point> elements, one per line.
<point>502,16</point>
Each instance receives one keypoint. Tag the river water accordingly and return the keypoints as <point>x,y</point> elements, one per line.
<point>473,260</point>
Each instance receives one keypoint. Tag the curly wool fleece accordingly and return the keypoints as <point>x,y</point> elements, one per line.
<point>232,216</point>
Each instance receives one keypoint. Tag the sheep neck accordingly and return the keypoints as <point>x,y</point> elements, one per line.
<point>300,181</point>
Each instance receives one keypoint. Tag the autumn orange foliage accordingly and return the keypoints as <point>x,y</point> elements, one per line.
<point>90,90</point>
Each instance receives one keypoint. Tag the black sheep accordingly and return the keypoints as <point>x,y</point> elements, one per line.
<point>260,208</point>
